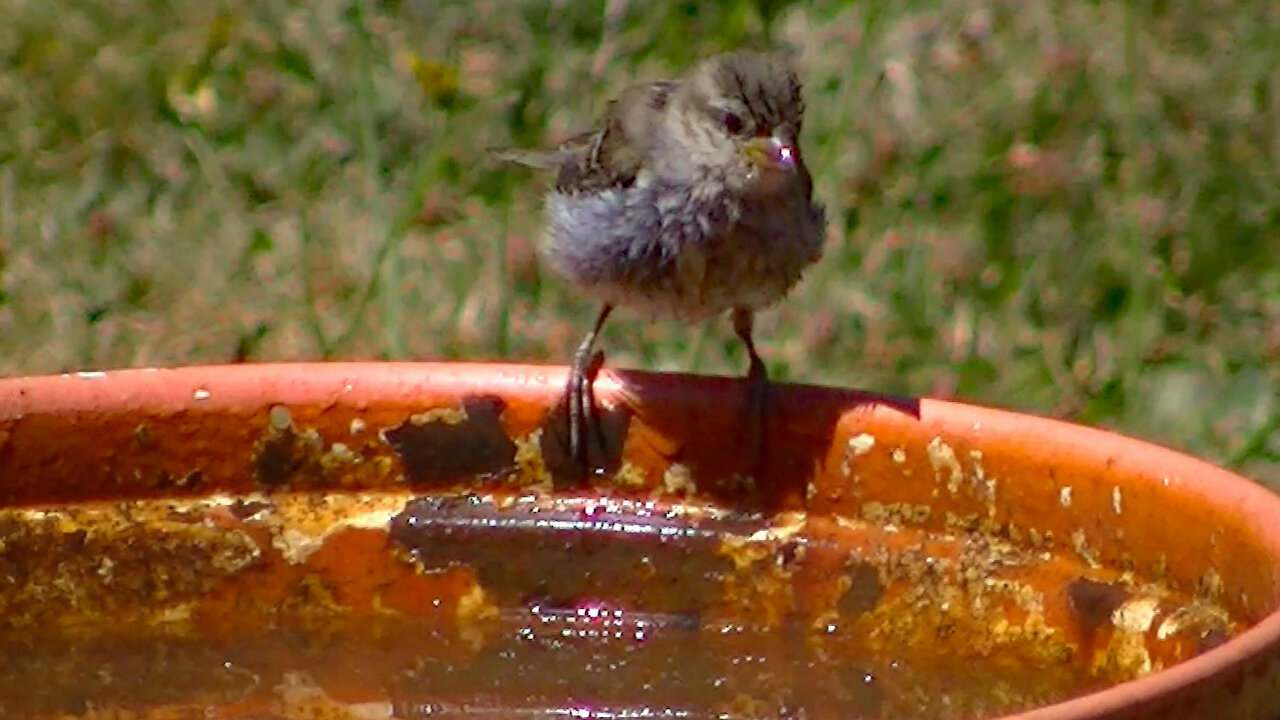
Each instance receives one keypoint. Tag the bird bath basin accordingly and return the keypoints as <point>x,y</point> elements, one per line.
<point>407,540</point>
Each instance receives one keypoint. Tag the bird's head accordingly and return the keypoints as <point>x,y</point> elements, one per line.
<point>738,116</point>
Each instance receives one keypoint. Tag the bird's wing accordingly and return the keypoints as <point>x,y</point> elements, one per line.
<point>613,154</point>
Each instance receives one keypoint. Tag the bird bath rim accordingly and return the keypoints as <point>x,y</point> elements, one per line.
<point>207,388</point>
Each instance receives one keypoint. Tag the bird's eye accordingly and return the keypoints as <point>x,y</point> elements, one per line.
<point>732,122</point>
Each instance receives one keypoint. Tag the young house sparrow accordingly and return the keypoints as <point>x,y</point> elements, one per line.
<point>690,199</point>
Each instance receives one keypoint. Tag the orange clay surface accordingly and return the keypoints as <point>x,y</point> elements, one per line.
<point>404,541</point>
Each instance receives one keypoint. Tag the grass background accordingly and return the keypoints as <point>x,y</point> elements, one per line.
<point>1065,208</point>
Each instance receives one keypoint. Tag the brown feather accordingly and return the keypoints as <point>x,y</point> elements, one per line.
<point>615,152</point>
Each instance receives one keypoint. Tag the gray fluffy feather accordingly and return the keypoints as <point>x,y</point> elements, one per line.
<point>667,250</point>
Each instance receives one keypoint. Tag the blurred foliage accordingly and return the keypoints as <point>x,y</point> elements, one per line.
<point>1065,208</point>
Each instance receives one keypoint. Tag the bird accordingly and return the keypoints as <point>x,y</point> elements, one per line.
<point>689,199</point>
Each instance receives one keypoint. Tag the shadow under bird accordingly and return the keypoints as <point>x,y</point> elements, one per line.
<point>690,199</point>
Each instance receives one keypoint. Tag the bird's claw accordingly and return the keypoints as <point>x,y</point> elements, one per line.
<point>584,421</point>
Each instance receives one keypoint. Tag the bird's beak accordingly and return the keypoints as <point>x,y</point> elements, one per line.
<point>773,154</point>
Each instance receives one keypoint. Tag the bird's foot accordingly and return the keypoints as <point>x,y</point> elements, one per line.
<point>584,421</point>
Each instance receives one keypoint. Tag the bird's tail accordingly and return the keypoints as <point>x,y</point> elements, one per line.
<point>540,159</point>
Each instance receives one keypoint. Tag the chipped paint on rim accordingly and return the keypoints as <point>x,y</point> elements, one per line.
<point>308,521</point>
<point>943,457</point>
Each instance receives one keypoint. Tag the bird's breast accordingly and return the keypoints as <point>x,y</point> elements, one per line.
<point>680,251</point>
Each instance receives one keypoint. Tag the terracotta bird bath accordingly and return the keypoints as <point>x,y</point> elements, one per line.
<point>410,541</point>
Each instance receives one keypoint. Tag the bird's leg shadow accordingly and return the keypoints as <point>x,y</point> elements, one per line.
<point>757,390</point>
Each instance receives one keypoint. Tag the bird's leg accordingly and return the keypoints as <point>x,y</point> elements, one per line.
<point>579,394</point>
<point>757,386</point>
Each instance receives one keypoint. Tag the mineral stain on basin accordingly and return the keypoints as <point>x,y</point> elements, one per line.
<point>398,541</point>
